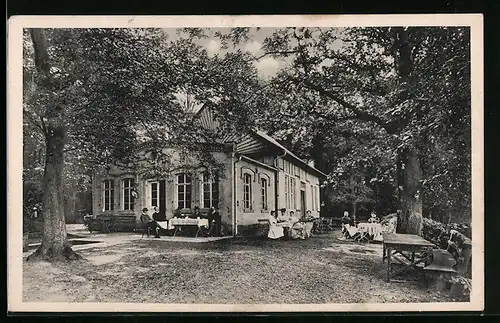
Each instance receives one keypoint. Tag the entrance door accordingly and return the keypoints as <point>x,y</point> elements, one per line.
<point>162,198</point>
<point>303,202</point>
<point>157,196</point>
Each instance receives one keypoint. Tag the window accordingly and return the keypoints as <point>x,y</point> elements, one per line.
<point>287,191</point>
<point>247,191</point>
<point>210,190</point>
<point>263,183</point>
<point>317,199</point>
<point>292,193</point>
<point>313,196</point>
<point>184,191</point>
<point>154,194</point>
<point>109,195</point>
<point>128,197</point>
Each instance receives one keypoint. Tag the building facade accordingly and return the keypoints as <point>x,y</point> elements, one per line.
<point>257,175</point>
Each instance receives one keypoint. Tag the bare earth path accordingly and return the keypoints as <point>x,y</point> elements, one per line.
<point>318,270</point>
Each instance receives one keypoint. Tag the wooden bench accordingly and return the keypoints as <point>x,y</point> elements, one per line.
<point>124,223</point>
<point>113,223</point>
<point>441,261</point>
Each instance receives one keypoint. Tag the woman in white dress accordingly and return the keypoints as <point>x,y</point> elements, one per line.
<point>297,227</point>
<point>275,231</point>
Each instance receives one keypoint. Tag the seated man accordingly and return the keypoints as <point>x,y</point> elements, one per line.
<point>150,224</point>
<point>157,216</point>
<point>347,223</point>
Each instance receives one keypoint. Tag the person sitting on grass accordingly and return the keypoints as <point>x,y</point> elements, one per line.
<point>151,224</point>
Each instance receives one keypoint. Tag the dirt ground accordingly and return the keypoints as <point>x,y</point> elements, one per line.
<point>318,270</point>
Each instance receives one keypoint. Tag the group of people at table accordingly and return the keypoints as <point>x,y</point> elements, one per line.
<point>370,230</point>
<point>291,227</point>
<point>158,222</point>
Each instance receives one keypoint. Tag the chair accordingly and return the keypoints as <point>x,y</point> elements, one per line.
<point>440,260</point>
<point>362,235</point>
<point>146,228</point>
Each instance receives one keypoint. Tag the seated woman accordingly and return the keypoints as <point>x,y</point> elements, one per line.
<point>373,218</point>
<point>275,231</point>
<point>196,214</point>
<point>389,223</point>
<point>297,230</point>
<point>308,225</point>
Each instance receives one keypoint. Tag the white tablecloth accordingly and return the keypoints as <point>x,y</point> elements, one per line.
<point>179,221</point>
<point>373,229</point>
<point>163,224</point>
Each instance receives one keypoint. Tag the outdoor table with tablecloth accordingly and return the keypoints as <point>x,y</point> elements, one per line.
<point>409,246</point>
<point>178,223</point>
<point>164,225</point>
<point>373,229</point>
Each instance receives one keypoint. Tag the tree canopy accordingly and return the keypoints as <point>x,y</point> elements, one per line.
<point>373,107</point>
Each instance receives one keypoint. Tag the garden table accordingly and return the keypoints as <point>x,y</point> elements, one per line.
<point>396,243</point>
<point>373,229</point>
<point>179,223</point>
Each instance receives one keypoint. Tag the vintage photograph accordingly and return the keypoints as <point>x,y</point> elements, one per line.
<point>297,165</point>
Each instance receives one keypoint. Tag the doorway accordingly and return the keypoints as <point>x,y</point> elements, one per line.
<point>162,199</point>
<point>303,202</point>
<point>157,196</point>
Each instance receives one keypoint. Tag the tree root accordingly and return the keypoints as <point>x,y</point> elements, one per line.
<point>50,255</point>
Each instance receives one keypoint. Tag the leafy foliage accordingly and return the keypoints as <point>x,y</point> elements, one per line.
<point>377,92</point>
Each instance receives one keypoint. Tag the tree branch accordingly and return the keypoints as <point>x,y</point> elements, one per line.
<point>276,52</point>
<point>33,121</point>
<point>359,114</point>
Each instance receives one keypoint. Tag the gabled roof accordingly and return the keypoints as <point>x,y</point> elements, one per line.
<point>287,152</point>
<point>206,118</point>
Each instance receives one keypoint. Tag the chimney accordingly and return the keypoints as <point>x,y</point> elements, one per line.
<point>310,162</point>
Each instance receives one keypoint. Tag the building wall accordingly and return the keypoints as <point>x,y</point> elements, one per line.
<point>246,217</point>
<point>231,193</point>
<point>293,179</point>
<point>179,165</point>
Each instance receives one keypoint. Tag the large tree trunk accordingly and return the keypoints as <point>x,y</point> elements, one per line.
<point>354,210</point>
<point>55,245</point>
<point>408,165</point>
<point>409,176</point>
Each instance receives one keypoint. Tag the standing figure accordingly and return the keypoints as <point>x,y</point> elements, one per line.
<point>214,222</point>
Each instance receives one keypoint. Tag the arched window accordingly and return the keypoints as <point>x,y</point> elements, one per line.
<point>263,188</point>
<point>247,191</point>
